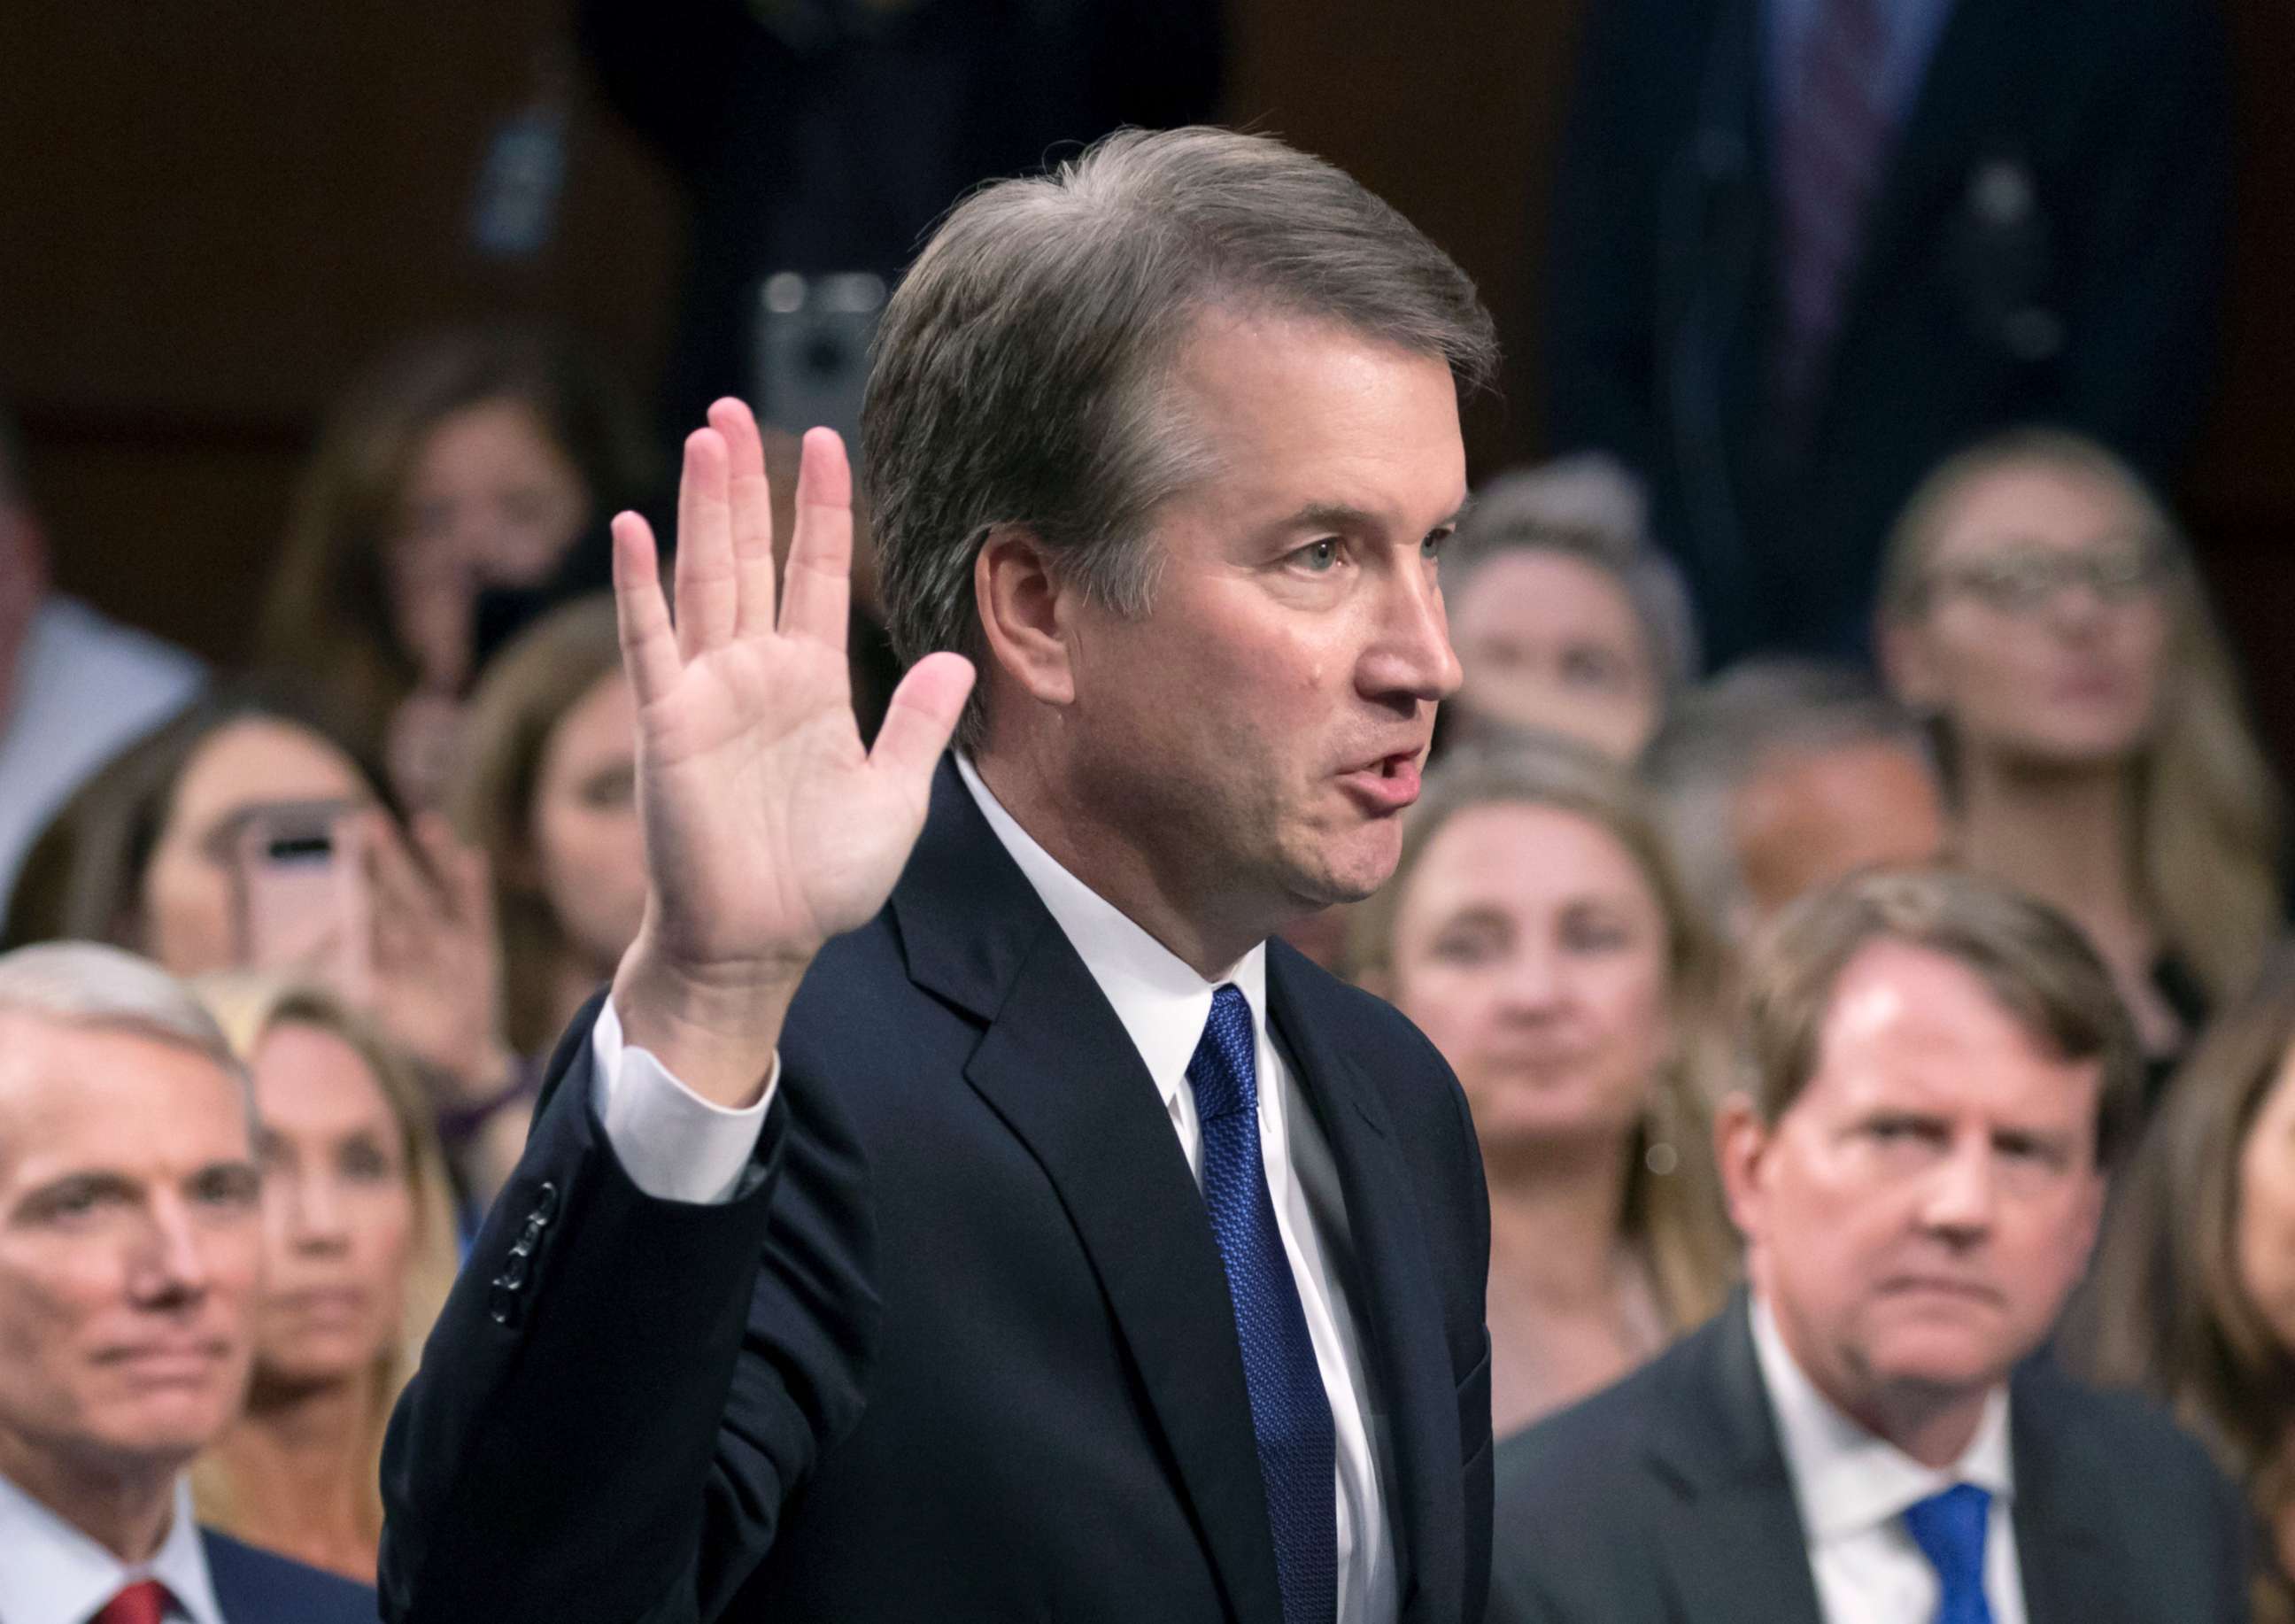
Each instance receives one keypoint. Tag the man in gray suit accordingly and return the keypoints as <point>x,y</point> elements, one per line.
<point>1942,1074</point>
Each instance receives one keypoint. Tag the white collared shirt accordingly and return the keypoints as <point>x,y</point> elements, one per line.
<point>1853,1488</point>
<point>676,1146</point>
<point>52,1573</point>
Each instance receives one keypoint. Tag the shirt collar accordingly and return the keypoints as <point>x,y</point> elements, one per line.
<point>1163,1003</point>
<point>1846,1480</point>
<point>55,1574</point>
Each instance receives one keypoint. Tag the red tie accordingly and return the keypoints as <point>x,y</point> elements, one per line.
<point>144,1601</point>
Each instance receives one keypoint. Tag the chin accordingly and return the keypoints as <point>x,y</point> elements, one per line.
<point>1949,1358</point>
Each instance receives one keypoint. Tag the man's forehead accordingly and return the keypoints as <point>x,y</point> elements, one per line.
<point>70,1093</point>
<point>1907,1024</point>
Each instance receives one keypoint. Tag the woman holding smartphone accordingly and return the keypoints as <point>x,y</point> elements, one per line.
<point>245,834</point>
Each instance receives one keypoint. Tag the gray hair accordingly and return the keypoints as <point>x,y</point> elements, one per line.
<point>1590,508</point>
<point>91,986</point>
<point>1019,370</point>
<point>1725,731</point>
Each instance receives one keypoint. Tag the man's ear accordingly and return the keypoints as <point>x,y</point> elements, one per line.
<point>1741,1139</point>
<point>1023,613</point>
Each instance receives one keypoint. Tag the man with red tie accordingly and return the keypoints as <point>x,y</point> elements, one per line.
<point>130,1260</point>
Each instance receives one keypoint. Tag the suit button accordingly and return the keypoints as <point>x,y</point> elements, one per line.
<point>546,1204</point>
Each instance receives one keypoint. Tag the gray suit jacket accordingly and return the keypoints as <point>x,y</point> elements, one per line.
<point>1666,1500</point>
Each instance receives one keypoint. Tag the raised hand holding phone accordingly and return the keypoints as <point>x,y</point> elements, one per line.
<point>769,826</point>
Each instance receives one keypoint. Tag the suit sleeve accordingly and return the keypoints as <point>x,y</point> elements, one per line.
<point>622,1392</point>
<point>2147,241</point>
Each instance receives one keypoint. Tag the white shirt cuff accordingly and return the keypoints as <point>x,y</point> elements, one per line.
<point>674,1144</point>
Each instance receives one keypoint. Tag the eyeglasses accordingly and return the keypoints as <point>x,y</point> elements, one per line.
<point>2024,578</point>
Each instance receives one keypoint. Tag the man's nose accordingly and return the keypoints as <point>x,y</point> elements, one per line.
<point>170,1265</point>
<point>1959,1203</point>
<point>1410,652</point>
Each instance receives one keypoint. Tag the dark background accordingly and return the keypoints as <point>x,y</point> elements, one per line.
<point>210,216</point>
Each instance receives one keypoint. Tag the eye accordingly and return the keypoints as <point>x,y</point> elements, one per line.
<point>363,1161</point>
<point>1319,556</point>
<point>225,1188</point>
<point>1431,547</point>
<point>1592,667</point>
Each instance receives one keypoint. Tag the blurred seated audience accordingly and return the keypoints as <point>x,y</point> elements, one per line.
<point>1943,1076</point>
<point>241,835</point>
<point>358,1253</point>
<point>1781,776</point>
<point>460,485</point>
<point>1565,619</point>
<point>131,1263</point>
<point>1536,931</point>
<point>2040,609</point>
<point>2194,1295</point>
<point>74,686</point>
<point>547,789</point>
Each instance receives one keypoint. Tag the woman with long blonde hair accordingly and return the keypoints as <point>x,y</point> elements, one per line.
<point>2040,608</point>
<point>1536,930</point>
<point>359,1252</point>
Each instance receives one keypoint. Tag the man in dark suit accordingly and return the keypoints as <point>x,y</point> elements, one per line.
<point>1082,1253</point>
<point>1804,249</point>
<point>130,1256</point>
<point>1867,1436</point>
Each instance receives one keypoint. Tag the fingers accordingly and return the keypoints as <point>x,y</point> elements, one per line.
<point>648,642</point>
<point>706,599</point>
<point>750,494</point>
<point>820,585</point>
<point>922,718</point>
<point>463,876</point>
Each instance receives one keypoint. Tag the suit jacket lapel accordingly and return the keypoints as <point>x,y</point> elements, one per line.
<point>1399,1317</point>
<point>1056,1065</point>
<point>2062,1516</point>
<point>1732,1544</point>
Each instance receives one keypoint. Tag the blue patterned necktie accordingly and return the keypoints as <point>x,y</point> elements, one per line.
<point>1949,1529</point>
<point>1290,1412</point>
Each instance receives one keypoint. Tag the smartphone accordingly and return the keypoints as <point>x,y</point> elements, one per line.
<point>302,909</point>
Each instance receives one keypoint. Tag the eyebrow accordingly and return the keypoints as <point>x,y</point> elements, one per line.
<point>1346,516</point>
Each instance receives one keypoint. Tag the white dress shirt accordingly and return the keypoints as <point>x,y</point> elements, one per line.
<point>1853,1488</point>
<point>83,688</point>
<point>52,1573</point>
<point>677,1146</point>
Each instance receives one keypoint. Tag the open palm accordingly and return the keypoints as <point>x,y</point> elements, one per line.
<point>768,826</point>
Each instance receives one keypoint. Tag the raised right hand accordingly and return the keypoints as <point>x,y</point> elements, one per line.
<point>768,826</point>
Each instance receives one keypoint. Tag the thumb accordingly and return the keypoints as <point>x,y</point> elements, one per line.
<point>922,717</point>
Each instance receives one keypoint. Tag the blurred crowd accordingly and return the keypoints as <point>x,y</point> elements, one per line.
<point>1878,334</point>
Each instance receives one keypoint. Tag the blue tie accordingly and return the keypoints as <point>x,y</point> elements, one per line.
<point>1290,1412</point>
<point>1949,1530</point>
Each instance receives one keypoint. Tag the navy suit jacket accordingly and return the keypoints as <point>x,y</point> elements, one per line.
<point>965,1348</point>
<point>1666,1499</point>
<point>255,1586</point>
<point>2047,243</point>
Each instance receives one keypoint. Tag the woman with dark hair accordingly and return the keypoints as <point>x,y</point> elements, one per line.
<point>463,465</point>
<point>246,834</point>
<point>1537,932</point>
<point>2040,608</point>
<point>2192,1296</point>
<point>547,789</point>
